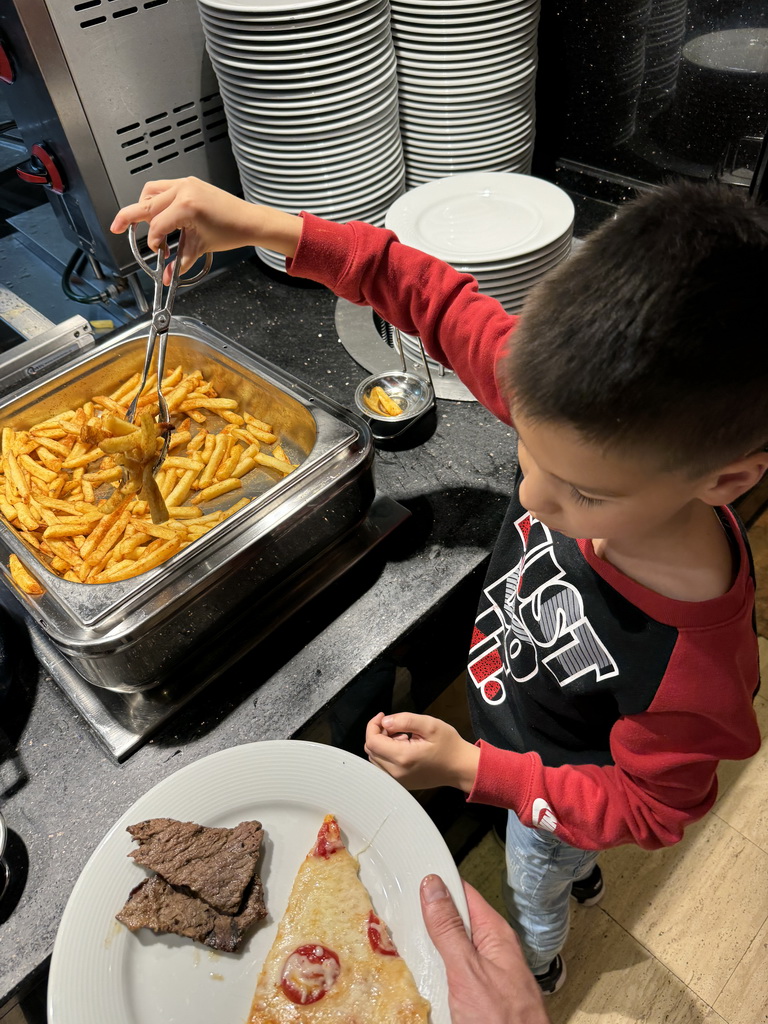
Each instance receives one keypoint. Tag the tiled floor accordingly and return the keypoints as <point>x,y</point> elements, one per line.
<point>681,936</point>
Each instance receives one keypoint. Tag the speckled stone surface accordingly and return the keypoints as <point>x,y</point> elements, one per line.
<point>63,792</point>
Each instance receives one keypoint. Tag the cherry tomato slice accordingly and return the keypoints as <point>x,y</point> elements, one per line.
<point>308,973</point>
<point>379,937</point>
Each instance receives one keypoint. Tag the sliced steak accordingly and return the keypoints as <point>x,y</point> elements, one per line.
<point>157,905</point>
<point>215,864</point>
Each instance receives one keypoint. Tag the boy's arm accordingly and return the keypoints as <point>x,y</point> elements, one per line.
<point>664,776</point>
<point>664,772</point>
<point>420,294</point>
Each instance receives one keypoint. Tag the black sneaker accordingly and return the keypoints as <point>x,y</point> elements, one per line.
<point>553,978</point>
<point>589,891</point>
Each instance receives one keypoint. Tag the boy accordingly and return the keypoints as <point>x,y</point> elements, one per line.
<point>614,659</point>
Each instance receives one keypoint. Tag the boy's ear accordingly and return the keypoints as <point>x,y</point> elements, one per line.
<point>735,479</point>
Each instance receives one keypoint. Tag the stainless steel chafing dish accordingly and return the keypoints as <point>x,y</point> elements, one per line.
<point>133,635</point>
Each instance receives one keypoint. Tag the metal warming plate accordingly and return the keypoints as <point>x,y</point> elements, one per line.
<point>132,635</point>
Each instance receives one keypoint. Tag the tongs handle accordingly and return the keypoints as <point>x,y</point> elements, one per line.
<point>182,282</point>
<point>161,311</point>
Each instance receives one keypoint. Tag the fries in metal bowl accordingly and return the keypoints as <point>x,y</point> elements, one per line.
<point>79,489</point>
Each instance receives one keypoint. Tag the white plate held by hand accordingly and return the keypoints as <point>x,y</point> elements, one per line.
<point>101,973</point>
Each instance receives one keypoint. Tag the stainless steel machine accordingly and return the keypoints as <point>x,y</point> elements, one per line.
<point>110,94</point>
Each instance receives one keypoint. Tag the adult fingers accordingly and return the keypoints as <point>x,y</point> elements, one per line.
<point>492,935</point>
<point>445,926</point>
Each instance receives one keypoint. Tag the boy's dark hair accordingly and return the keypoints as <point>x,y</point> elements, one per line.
<point>653,336</point>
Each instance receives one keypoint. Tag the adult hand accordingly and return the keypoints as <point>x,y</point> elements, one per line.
<point>488,978</point>
<point>421,751</point>
<point>213,220</point>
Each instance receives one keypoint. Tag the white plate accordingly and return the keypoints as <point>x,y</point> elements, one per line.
<point>433,23</point>
<point>268,63</point>
<point>326,186</point>
<point>320,127</point>
<point>281,8</point>
<point>431,170</point>
<point>439,128</point>
<point>494,131</point>
<point>309,37</point>
<point>335,54</point>
<point>285,106</point>
<point>464,6</point>
<point>342,174</point>
<point>439,104</point>
<point>329,161</point>
<point>367,194</point>
<point>308,150</point>
<point>463,35</point>
<point>453,63</point>
<point>523,269</point>
<point>444,81</point>
<point>103,974</point>
<point>481,216</point>
<point>455,150</point>
<point>433,54</point>
<point>250,90</point>
<point>464,97</point>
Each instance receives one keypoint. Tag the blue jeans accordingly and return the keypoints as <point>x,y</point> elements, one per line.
<point>540,871</point>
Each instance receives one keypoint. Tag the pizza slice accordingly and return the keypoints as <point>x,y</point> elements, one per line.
<point>333,959</point>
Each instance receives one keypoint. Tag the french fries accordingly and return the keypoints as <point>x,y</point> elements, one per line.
<point>24,580</point>
<point>380,402</point>
<point>79,489</point>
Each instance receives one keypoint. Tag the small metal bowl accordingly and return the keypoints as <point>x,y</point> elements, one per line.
<point>412,393</point>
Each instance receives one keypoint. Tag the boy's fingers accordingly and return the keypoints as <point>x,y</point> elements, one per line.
<point>374,726</point>
<point>405,721</point>
<point>132,214</point>
<point>375,737</point>
<point>156,196</point>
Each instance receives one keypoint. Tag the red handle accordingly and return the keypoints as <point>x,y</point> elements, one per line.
<point>42,169</point>
<point>6,68</point>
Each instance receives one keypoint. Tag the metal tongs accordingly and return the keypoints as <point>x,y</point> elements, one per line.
<point>158,329</point>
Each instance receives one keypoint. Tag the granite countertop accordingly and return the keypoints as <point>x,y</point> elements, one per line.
<point>62,791</point>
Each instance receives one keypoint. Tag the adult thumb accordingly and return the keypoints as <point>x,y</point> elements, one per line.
<point>443,921</point>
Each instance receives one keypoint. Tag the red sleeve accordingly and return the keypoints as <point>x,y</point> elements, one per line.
<point>665,759</point>
<point>461,328</point>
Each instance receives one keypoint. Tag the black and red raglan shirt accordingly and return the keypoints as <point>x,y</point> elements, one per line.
<point>602,708</point>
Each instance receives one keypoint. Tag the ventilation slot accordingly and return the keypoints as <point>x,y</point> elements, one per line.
<point>164,136</point>
<point>123,12</point>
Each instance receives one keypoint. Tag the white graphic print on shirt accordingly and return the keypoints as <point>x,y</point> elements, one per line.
<point>534,621</point>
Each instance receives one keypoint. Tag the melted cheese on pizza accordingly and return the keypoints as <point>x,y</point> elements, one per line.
<point>333,960</point>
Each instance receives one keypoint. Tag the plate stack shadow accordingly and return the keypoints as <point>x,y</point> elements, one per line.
<point>466,73</point>
<point>310,94</point>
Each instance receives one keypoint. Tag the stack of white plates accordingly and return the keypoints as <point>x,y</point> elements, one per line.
<point>507,230</point>
<point>310,93</point>
<point>466,73</point>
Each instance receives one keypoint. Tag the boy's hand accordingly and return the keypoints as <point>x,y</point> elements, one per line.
<point>421,751</point>
<point>213,220</point>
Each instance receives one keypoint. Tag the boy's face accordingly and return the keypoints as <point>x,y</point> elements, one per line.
<point>574,487</point>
